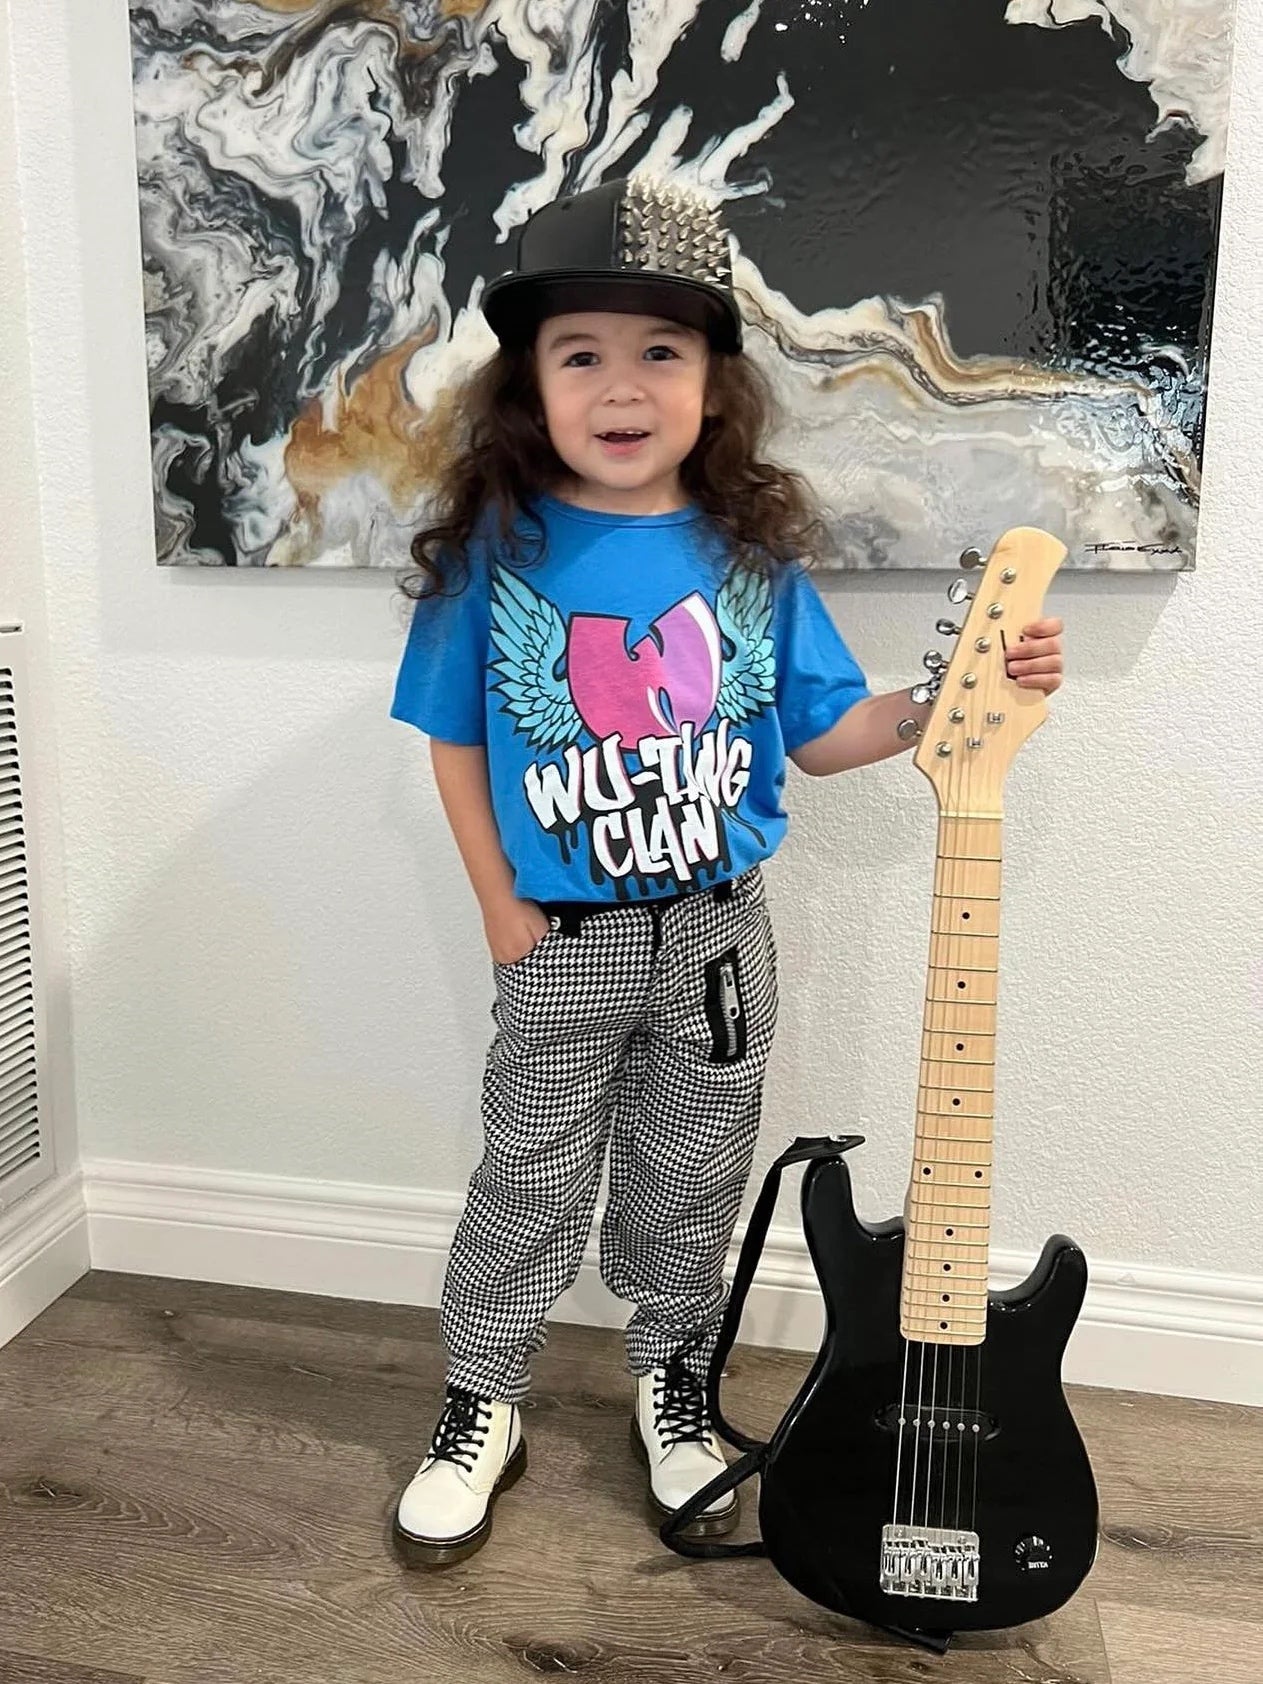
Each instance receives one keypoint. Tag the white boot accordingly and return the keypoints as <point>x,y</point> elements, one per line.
<point>477,1452</point>
<point>672,1433</point>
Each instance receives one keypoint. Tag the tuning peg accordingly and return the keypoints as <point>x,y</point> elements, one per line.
<point>922,693</point>
<point>958,591</point>
<point>945,628</point>
<point>972,557</point>
<point>933,660</point>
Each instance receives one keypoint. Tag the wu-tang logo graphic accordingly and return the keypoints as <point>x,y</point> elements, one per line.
<point>641,751</point>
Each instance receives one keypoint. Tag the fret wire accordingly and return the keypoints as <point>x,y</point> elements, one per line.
<point>926,1303</point>
<point>923,1129</point>
<point>926,1251</point>
<point>960,1139</point>
<point>977,1278</point>
<point>925,1201</point>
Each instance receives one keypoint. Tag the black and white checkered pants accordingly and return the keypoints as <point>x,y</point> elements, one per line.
<point>645,1031</point>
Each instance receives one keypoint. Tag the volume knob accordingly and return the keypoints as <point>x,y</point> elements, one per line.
<point>1032,1555</point>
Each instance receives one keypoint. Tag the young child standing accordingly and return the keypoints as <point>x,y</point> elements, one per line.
<point>614,650</point>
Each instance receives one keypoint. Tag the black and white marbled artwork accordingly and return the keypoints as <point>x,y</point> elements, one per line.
<point>976,246</point>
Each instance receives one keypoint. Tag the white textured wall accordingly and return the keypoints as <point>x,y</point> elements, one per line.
<point>276,966</point>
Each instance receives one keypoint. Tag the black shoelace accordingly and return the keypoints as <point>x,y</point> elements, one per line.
<point>456,1438</point>
<point>680,1407</point>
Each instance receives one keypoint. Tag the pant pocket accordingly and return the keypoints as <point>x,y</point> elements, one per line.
<point>726,1008</point>
<point>528,958</point>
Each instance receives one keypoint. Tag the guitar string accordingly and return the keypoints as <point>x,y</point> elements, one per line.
<point>967,883</point>
<point>977,1434</point>
<point>935,1136</point>
<point>916,1435</point>
<point>949,1435</point>
<point>903,1416</point>
<point>961,880</point>
<point>960,785</point>
<point>953,1421</point>
<point>960,1431</point>
<point>996,674</point>
<point>957,778</point>
<point>945,1448</point>
<point>929,1455</point>
<point>971,1354</point>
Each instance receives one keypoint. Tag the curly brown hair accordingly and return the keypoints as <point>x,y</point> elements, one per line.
<point>500,457</point>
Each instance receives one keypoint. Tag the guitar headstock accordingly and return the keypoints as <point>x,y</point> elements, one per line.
<point>981,718</point>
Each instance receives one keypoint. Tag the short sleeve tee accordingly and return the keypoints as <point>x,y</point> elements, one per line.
<point>636,696</point>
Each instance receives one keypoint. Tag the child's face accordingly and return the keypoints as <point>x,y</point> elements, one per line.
<point>603,374</point>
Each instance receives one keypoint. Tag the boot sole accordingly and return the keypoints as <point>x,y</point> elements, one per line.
<point>706,1525</point>
<point>442,1552</point>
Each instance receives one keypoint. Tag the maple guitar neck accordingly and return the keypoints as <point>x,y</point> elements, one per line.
<point>947,1217</point>
<point>980,719</point>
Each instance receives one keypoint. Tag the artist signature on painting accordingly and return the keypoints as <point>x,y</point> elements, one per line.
<point>1142,549</point>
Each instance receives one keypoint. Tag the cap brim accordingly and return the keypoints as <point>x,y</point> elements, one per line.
<point>515,305</point>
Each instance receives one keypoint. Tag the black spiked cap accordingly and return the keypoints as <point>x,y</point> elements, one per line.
<point>634,246</point>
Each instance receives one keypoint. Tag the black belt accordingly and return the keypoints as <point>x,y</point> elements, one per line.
<point>567,915</point>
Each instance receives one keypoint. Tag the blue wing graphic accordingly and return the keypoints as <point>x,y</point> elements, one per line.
<point>744,613</point>
<point>530,638</point>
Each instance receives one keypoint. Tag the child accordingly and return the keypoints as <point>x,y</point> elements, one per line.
<point>613,651</point>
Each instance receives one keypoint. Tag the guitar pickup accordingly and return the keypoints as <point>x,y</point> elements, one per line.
<point>938,1426</point>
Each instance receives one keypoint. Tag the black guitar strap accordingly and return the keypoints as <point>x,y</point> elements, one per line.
<point>754,1451</point>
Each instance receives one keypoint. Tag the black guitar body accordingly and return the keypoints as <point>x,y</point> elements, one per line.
<point>987,1445</point>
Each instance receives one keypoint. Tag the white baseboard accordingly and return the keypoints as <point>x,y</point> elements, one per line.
<point>1187,1333</point>
<point>44,1249</point>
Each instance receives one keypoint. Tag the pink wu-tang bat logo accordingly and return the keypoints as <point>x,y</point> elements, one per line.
<point>650,763</point>
<point>668,679</point>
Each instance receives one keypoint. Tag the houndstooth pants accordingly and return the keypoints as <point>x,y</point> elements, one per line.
<point>645,1031</point>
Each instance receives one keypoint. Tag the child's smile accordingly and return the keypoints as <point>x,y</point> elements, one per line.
<point>623,441</point>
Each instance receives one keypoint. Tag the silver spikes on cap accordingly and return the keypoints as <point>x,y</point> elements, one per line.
<point>673,231</point>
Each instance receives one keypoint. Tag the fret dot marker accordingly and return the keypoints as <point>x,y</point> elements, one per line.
<point>960,1046</point>
<point>949,1232</point>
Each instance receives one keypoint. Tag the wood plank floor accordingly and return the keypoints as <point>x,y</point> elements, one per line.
<point>195,1483</point>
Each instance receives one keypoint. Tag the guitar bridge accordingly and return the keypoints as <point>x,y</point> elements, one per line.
<point>930,1561</point>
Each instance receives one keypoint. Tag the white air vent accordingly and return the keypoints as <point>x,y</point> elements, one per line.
<point>25,1151</point>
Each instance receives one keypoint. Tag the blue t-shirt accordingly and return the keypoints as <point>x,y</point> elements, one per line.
<point>636,697</point>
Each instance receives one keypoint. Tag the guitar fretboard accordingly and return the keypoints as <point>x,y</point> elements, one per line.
<point>947,1216</point>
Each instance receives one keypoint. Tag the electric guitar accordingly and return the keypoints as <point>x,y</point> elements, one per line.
<point>929,1476</point>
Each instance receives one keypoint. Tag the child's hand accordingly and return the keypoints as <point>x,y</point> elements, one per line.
<point>1035,663</point>
<point>514,928</point>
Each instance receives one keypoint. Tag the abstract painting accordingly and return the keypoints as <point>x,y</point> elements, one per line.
<point>974,242</point>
